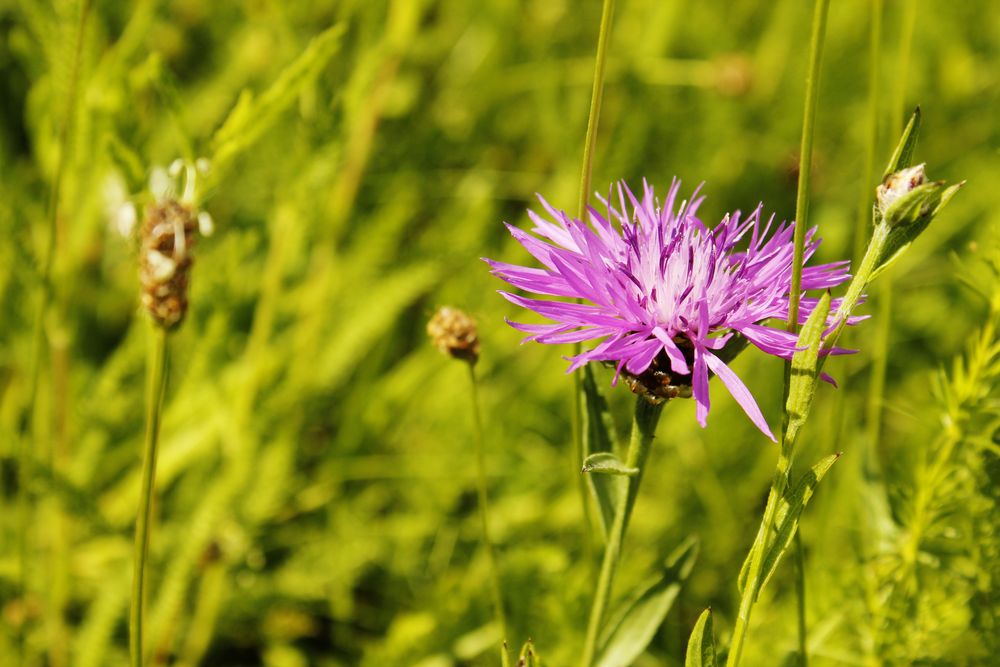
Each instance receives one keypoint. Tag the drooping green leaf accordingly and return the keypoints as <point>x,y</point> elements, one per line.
<point>805,371</point>
<point>633,626</point>
<point>608,464</point>
<point>701,643</point>
<point>787,521</point>
<point>251,117</point>
<point>902,157</point>
<point>598,437</point>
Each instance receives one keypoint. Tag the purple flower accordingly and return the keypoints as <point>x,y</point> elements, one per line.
<point>663,290</point>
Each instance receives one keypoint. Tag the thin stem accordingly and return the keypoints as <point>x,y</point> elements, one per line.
<point>644,424</point>
<point>484,507</point>
<point>596,96</point>
<point>778,485</point>
<point>586,171</point>
<point>156,381</point>
<point>800,589</point>
<point>864,220</point>
<point>780,481</point>
<point>880,351</point>
<point>805,157</point>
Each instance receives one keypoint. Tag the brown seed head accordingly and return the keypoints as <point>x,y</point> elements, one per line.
<point>168,237</point>
<point>453,332</point>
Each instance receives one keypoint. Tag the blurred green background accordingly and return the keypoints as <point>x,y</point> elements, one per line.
<point>316,500</point>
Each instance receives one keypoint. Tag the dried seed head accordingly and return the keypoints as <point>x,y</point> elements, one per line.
<point>168,236</point>
<point>453,332</point>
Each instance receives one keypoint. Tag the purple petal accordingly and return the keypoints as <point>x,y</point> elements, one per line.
<point>739,392</point>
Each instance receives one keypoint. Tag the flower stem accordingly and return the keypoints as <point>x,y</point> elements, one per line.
<point>800,589</point>
<point>778,485</point>
<point>586,171</point>
<point>880,351</point>
<point>805,157</point>
<point>780,481</point>
<point>596,95</point>
<point>156,381</point>
<point>647,415</point>
<point>484,509</point>
<point>871,131</point>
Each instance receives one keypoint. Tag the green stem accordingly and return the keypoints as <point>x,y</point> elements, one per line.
<point>800,589</point>
<point>484,508</point>
<point>864,220</point>
<point>644,423</point>
<point>586,171</point>
<point>805,157</point>
<point>880,351</point>
<point>780,481</point>
<point>778,485</point>
<point>596,96</point>
<point>156,381</point>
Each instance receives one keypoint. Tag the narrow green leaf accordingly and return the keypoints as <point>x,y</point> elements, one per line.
<point>634,625</point>
<point>701,644</point>
<point>903,155</point>
<point>251,117</point>
<point>802,387</point>
<point>787,521</point>
<point>598,437</point>
<point>608,464</point>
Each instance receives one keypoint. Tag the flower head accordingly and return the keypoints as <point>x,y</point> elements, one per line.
<point>667,297</point>
<point>454,333</point>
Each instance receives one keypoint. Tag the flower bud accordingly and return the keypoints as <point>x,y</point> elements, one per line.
<point>454,333</point>
<point>898,184</point>
<point>168,236</point>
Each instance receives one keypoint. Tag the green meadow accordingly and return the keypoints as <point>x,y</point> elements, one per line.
<point>316,499</point>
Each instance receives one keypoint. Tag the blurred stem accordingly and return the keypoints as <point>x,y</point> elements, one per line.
<point>596,96</point>
<point>780,481</point>
<point>871,131</point>
<point>156,380</point>
<point>647,415</point>
<point>880,351</point>
<point>586,171</point>
<point>24,452</point>
<point>800,590</point>
<point>484,509</point>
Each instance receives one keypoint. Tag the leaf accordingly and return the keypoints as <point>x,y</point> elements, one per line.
<point>805,370</point>
<point>608,464</point>
<point>903,155</point>
<point>251,118</point>
<point>598,437</point>
<point>786,522</point>
<point>634,625</point>
<point>701,643</point>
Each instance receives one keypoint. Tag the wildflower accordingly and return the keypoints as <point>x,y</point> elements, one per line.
<point>454,333</point>
<point>669,299</point>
